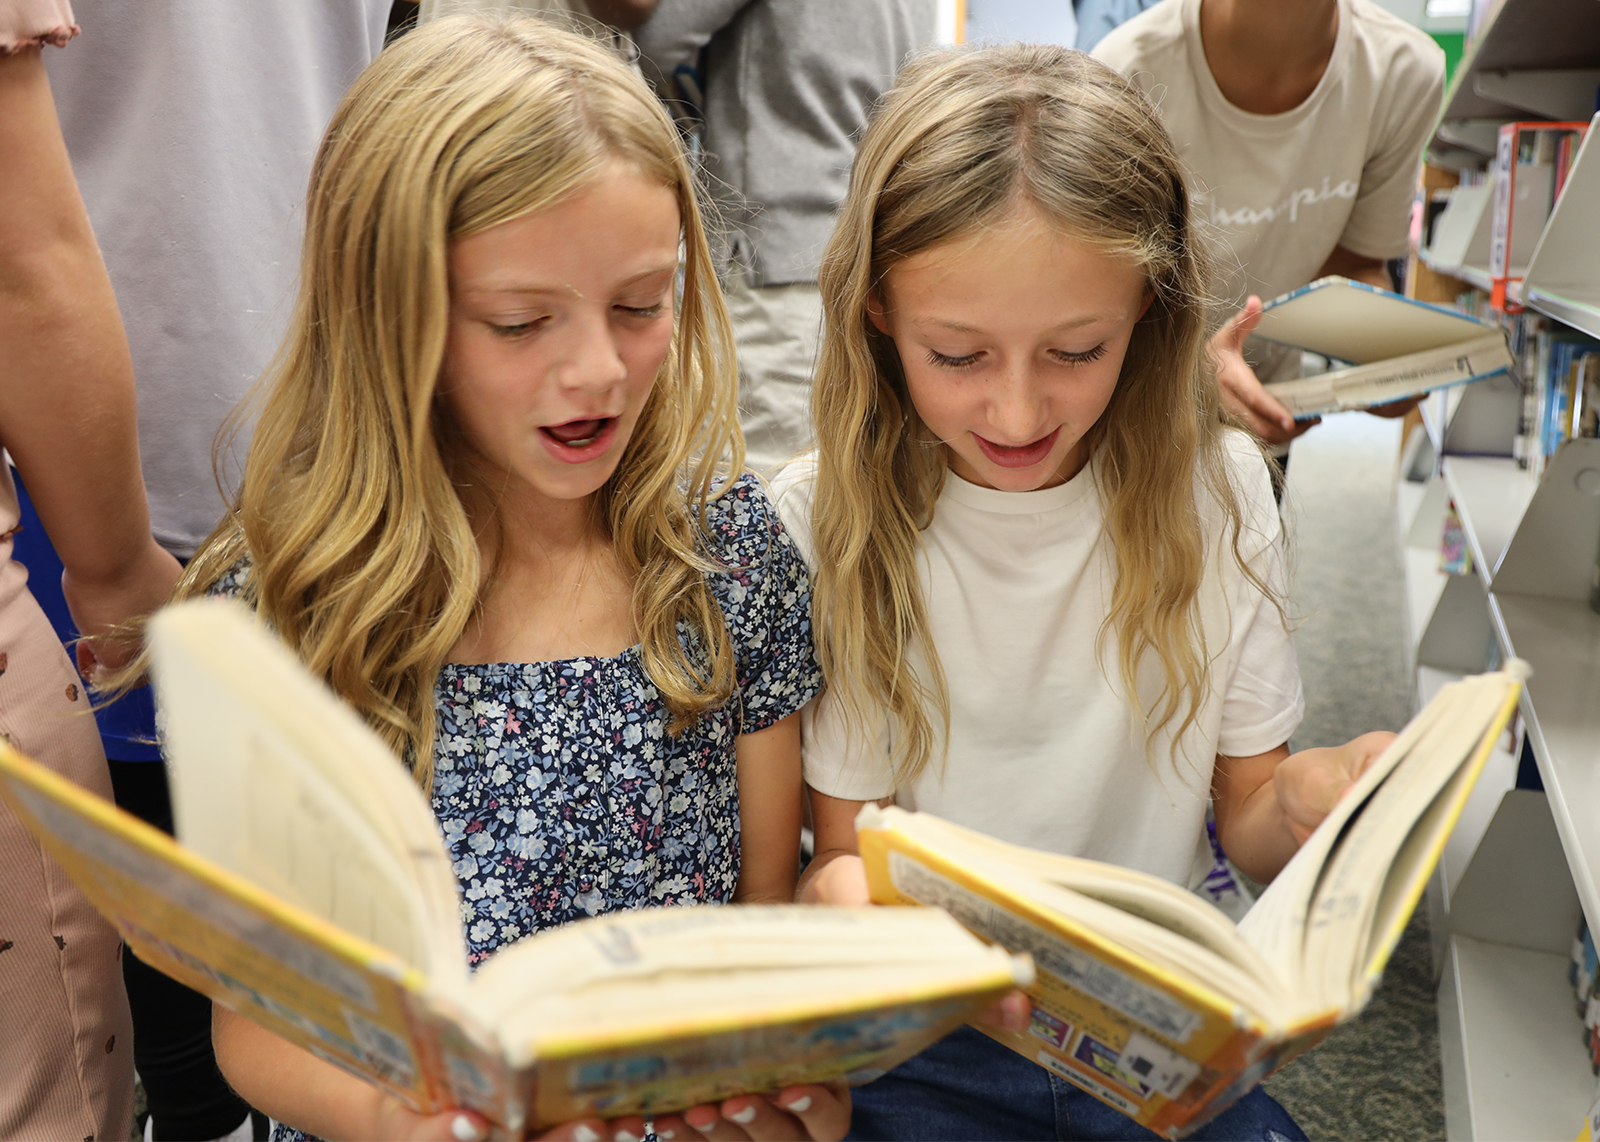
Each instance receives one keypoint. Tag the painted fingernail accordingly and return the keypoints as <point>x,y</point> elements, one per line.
<point>625,1136</point>
<point>585,1133</point>
<point>743,1117</point>
<point>799,1105</point>
<point>666,1135</point>
<point>465,1129</point>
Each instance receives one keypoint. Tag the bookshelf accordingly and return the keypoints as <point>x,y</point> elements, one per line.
<point>1524,864</point>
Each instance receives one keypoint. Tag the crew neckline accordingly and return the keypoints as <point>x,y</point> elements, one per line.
<point>971,495</point>
<point>1251,121</point>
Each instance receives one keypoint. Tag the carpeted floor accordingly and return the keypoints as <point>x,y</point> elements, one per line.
<point>1378,1077</point>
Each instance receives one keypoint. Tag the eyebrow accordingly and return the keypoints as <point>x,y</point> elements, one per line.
<point>493,286</point>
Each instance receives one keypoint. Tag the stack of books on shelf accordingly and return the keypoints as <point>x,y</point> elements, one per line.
<point>1561,387</point>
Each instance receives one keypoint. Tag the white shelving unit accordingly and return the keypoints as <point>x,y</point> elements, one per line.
<point>1523,864</point>
<point>1561,280</point>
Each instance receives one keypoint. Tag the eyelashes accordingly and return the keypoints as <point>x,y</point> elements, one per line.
<point>945,362</point>
<point>522,329</point>
<point>937,358</point>
<point>1081,358</point>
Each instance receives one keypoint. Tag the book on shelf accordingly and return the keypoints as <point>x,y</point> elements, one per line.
<point>314,895</point>
<point>1455,553</point>
<point>1148,997</point>
<point>1560,392</point>
<point>1531,165</point>
<point>1394,347</point>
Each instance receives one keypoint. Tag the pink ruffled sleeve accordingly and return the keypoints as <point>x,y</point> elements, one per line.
<point>24,23</point>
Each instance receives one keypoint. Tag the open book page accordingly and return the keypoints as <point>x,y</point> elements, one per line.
<point>347,1001</point>
<point>1129,890</point>
<point>1276,924</point>
<point>1149,1041</point>
<point>1353,882</point>
<point>275,779</point>
<point>655,1010</point>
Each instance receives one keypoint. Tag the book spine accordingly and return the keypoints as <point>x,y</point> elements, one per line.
<point>1500,232</point>
<point>1363,386</point>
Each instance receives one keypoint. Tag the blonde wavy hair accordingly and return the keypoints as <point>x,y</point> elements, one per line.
<point>350,510</point>
<point>962,139</point>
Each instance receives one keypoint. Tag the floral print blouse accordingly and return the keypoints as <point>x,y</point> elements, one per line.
<point>557,787</point>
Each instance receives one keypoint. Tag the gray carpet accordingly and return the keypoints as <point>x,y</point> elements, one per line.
<point>1377,1077</point>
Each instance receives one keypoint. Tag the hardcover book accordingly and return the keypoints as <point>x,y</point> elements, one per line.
<point>1391,347</point>
<point>1146,995</point>
<point>313,894</point>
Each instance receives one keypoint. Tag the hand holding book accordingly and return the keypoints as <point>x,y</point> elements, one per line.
<point>1308,784</point>
<point>1243,394</point>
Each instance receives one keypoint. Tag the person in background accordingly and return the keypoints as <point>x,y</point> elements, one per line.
<point>1097,17</point>
<point>67,419</point>
<point>783,89</point>
<point>191,140</point>
<point>1303,122</point>
<point>619,15</point>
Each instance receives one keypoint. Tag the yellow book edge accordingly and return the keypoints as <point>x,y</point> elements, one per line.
<point>164,848</point>
<point>1063,926</point>
<point>1385,946</point>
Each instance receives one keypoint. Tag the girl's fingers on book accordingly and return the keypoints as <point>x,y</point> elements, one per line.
<point>451,1126</point>
<point>627,1129</point>
<point>824,1110</point>
<point>673,1128</point>
<point>842,881</point>
<point>1009,1013</point>
<point>581,1130</point>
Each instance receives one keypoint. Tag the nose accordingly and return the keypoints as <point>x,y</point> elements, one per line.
<point>1016,407</point>
<point>592,361</point>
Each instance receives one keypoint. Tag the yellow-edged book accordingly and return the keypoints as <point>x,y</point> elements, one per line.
<point>1147,996</point>
<point>314,895</point>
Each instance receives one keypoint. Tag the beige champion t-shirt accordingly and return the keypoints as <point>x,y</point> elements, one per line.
<point>1279,192</point>
<point>1043,750</point>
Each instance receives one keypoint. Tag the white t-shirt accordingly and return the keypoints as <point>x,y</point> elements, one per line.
<point>192,125</point>
<point>1281,191</point>
<point>1043,750</point>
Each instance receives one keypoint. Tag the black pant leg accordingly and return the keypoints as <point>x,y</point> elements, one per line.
<point>186,1093</point>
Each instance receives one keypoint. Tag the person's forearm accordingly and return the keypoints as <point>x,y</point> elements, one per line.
<point>1256,835</point>
<point>291,1085</point>
<point>67,410</point>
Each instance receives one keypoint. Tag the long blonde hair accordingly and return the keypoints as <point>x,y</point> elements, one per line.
<point>350,507</point>
<point>960,140</point>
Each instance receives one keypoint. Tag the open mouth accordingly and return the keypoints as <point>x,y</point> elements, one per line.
<point>1018,456</point>
<point>580,440</point>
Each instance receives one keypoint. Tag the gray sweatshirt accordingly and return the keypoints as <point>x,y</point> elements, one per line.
<point>787,86</point>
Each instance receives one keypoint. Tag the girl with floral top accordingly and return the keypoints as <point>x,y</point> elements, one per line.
<point>484,503</point>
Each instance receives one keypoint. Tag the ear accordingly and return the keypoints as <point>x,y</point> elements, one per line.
<point>877,313</point>
<point>1144,306</point>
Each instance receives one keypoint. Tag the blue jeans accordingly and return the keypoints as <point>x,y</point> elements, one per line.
<point>967,1086</point>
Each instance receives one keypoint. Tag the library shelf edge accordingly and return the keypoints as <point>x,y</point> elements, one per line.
<point>1521,864</point>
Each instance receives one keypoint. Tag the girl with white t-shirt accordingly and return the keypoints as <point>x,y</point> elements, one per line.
<point>1048,577</point>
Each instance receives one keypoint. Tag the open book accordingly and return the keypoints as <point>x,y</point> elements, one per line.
<point>1395,347</point>
<point>1150,998</point>
<point>313,894</point>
